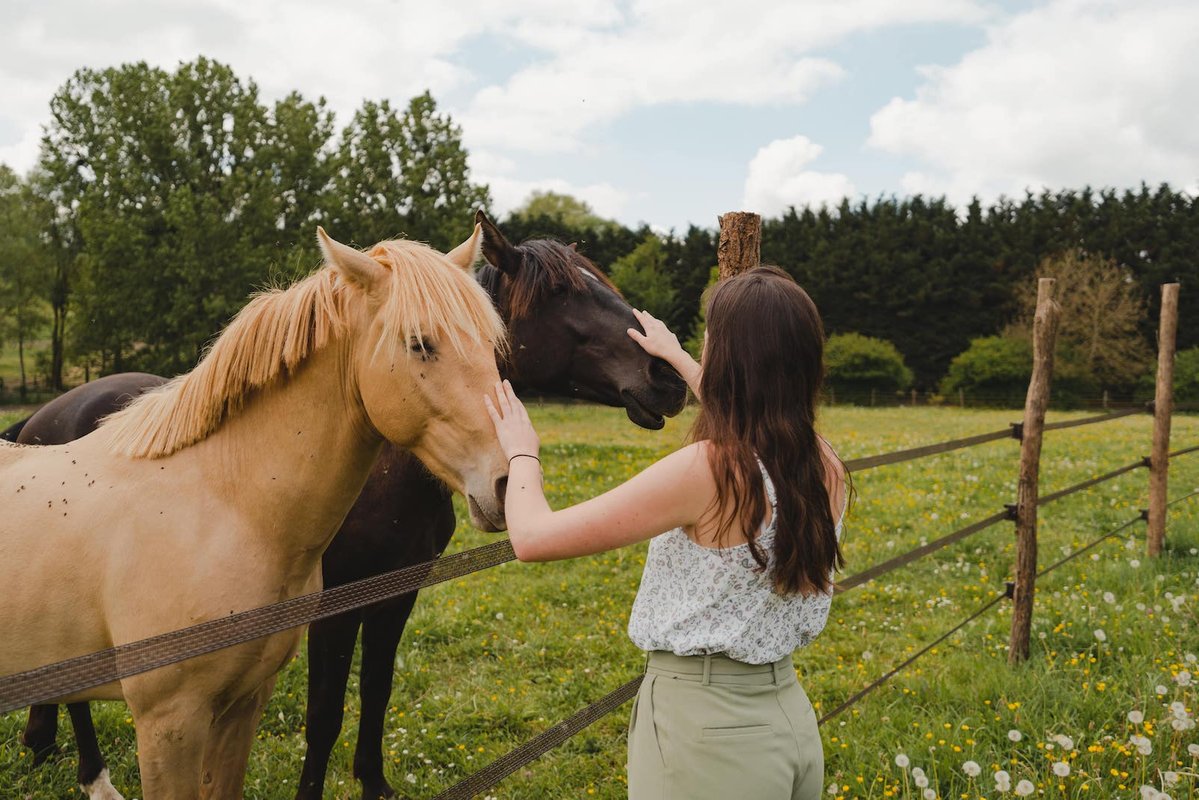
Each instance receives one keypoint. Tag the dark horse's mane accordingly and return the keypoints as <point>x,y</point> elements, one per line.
<point>548,265</point>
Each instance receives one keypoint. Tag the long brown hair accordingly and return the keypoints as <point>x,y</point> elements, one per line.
<point>763,366</point>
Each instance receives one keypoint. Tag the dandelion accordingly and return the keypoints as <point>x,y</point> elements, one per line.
<point>929,794</point>
<point>917,772</point>
<point>1134,563</point>
<point>1193,749</point>
<point>1183,678</point>
<point>1003,781</point>
<point>1015,735</point>
<point>921,781</point>
<point>1161,690</point>
<point>902,761</point>
<point>1065,741</point>
<point>1061,769</point>
<point>1169,777</point>
<point>832,789</point>
<point>1178,709</point>
<point>1136,717</point>
<point>1109,598</point>
<point>1149,793</point>
<point>1100,635</point>
<point>1143,745</point>
<point>972,769</point>
<point>1025,788</point>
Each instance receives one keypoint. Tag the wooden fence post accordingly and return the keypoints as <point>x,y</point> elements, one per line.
<point>1163,407</point>
<point>1035,404</point>
<point>740,245</point>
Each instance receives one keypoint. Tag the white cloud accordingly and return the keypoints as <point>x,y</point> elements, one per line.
<point>748,52</point>
<point>509,191</point>
<point>347,52</point>
<point>1077,92</point>
<point>778,178</point>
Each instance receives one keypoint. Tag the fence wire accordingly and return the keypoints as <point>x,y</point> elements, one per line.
<point>96,669</point>
<point>506,765</point>
<point>73,675</point>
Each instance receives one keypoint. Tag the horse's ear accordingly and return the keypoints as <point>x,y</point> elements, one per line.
<point>466,254</point>
<point>355,265</point>
<point>496,249</point>
<point>574,246</point>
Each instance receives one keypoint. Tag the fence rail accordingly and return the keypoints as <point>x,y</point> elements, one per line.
<point>74,675</point>
<point>78,674</point>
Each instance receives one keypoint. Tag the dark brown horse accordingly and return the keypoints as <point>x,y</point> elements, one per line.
<point>568,333</point>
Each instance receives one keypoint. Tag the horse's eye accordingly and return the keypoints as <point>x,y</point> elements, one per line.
<point>422,348</point>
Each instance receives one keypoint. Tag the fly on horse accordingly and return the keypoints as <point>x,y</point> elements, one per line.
<point>219,491</point>
<point>567,325</point>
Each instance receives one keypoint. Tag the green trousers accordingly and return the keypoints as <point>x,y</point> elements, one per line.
<point>711,727</point>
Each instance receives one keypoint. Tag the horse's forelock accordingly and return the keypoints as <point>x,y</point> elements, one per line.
<point>547,266</point>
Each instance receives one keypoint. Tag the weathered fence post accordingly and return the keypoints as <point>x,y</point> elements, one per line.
<point>1035,404</point>
<point>740,245</point>
<point>1163,407</point>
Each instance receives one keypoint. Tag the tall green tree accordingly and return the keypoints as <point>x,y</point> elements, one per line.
<point>566,209</point>
<point>182,190</point>
<point>23,268</point>
<point>642,277</point>
<point>403,174</point>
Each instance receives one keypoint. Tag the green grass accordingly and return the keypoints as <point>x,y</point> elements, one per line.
<point>494,658</point>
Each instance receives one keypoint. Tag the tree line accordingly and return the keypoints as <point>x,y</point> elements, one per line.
<point>161,199</point>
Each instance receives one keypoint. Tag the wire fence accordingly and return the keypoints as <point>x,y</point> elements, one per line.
<point>78,674</point>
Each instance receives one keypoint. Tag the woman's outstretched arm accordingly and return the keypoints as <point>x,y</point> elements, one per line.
<point>670,493</point>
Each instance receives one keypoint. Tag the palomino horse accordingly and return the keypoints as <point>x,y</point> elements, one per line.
<point>220,491</point>
<point>567,327</point>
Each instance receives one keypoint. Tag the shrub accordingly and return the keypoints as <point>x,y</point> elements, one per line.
<point>1186,378</point>
<point>995,371</point>
<point>857,365</point>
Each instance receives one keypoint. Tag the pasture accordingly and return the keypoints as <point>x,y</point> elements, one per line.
<point>491,659</point>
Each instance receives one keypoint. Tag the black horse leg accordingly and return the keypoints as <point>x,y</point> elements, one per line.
<point>41,732</point>
<point>330,654</point>
<point>382,628</point>
<point>91,760</point>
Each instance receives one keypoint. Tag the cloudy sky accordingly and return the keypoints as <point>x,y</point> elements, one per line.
<point>672,111</point>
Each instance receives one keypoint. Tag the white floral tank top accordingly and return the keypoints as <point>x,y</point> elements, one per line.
<point>697,600</point>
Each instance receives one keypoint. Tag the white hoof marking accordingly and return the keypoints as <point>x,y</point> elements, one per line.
<point>102,789</point>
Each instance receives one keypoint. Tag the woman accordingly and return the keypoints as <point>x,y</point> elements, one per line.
<point>745,523</point>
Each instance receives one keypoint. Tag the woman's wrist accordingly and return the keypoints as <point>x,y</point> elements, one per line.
<point>515,456</point>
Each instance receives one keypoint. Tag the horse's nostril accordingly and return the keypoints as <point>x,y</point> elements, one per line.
<point>501,488</point>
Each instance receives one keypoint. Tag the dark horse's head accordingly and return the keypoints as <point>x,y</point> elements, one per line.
<point>568,327</point>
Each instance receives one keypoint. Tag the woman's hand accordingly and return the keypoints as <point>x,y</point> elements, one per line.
<point>658,340</point>
<point>512,425</point>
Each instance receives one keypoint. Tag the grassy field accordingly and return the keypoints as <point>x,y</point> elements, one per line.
<point>496,657</point>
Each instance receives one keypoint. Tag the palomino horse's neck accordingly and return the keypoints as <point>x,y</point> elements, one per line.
<point>296,457</point>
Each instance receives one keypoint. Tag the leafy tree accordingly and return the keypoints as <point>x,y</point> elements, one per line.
<point>857,365</point>
<point>299,134</point>
<point>695,342</point>
<point>566,209</point>
<point>641,276</point>
<point>23,267</point>
<point>403,175</point>
<point>175,202</point>
<point>1102,312</point>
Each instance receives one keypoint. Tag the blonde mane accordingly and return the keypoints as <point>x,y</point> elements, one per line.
<point>426,296</point>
